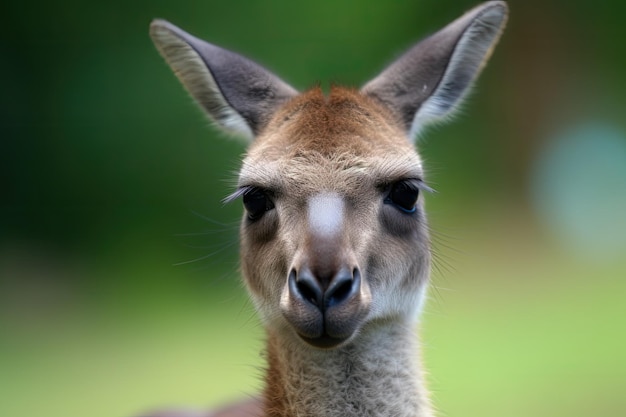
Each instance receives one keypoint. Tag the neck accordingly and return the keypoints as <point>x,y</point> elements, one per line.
<point>377,374</point>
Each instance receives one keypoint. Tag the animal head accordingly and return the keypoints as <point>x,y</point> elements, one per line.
<point>334,237</point>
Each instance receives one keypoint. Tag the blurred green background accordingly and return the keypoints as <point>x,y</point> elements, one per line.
<point>119,289</point>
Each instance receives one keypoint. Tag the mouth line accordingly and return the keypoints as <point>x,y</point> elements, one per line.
<point>323,336</point>
<point>324,341</point>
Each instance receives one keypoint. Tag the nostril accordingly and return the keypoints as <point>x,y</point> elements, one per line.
<point>340,293</point>
<point>306,287</point>
<point>343,287</point>
<point>308,293</point>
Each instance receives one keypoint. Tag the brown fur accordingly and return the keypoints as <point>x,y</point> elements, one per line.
<point>349,144</point>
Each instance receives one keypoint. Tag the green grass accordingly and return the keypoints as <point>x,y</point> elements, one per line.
<point>542,351</point>
<point>121,364</point>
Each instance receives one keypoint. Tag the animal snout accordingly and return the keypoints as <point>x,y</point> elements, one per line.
<point>325,292</point>
<point>325,306</point>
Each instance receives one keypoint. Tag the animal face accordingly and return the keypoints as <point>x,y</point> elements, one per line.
<point>334,236</point>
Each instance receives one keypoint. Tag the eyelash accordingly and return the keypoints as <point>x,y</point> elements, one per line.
<point>238,193</point>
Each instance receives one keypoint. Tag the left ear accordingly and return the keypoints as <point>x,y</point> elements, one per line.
<point>429,81</point>
<point>236,93</point>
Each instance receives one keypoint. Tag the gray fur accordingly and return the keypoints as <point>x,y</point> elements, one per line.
<point>377,377</point>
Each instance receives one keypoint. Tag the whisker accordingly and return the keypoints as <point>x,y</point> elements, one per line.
<point>207,232</point>
<point>206,256</point>
<point>213,221</point>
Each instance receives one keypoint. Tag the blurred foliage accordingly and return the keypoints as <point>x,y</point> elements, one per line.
<point>118,264</point>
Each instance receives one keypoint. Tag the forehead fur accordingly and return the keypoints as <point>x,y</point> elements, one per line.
<point>341,138</point>
<point>326,123</point>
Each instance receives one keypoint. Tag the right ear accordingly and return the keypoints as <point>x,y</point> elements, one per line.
<point>430,80</point>
<point>236,93</point>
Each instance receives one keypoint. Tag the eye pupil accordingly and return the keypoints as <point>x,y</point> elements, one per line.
<point>256,203</point>
<point>404,196</point>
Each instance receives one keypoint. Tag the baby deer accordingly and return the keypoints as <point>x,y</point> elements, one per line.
<point>335,250</point>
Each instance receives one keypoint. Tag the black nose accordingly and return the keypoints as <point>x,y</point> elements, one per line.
<point>325,292</point>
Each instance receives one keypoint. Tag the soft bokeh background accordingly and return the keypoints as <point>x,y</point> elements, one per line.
<point>119,289</point>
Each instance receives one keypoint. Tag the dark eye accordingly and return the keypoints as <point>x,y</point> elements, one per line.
<point>403,195</point>
<point>256,203</point>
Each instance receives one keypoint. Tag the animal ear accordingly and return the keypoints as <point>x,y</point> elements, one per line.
<point>429,81</point>
<point>238,94</point>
